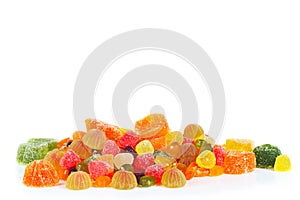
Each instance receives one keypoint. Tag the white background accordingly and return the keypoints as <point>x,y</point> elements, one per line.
<point>255,46</point>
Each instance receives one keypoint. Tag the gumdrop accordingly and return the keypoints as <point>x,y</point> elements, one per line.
<point>194,132</point>
<point>164,160</point>
<point>80,149</point>
<point>144,146</point>
<point>239,145</point>
<point>172,149</point>
<point>173,178</point>
<point>110,147</point>
<point>123,180</point>
<point>94,139</point>
<point>40,173</point>
<point>54,157</point>
<point>203,145</point>
<point>77,135</point>
<point>123,158</point>
<point>109,159</point>
<point>156,171</point>
<point>82,166</point>
<point>187,154</point>
<point>141,162</point>
<point>216,171</point>
<point>175,136</point>
<point>282,163</point>
<point>78,181</point>
<point>158,142</point>
<point>239,162</point>
<point>152,125</point>
<point>206,159</point>
<point>128,139</point>
<point>111,132</point>
<point>98,168</point>
<point>147,181</point>
<point>69,160</point>
<point>127,167</point>
<point>266,155</point>
<point>219,152</point>
<point>102,181</point>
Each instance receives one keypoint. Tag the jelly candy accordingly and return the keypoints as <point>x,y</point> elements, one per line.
<point>110,147</point>
<point>239,162</point>
<point>152,125</point>
<point>111,132</point>
<point>219,152</point>
<point>206,159</point>
<point>158,142</point>
<point>98,168</point>
<point>102,181</point>
<point>40,173</point>
<point>78,181</point>
<point>64,142</point>
<point>35,149</point>
<point>144,146</point>
<point>172,149</point>
<point>266,155</point>
<point>80,149</point>
<point>69,160</point>
<point>77,135</point>
<point>164,160</point>
<point>216,170</point>
<point>127,167</point>
<point>203,145</point>
<point>173,178</point>
<point>282,163</point>
<point>94,139</point>
<point>188,140</point>
<point>147,181</point>
<point>175,136</point>
<point>54,157</point>
<point>109,159</point>
<point>141,162</point>
<point>82,166</point>
<point>187,154</point>
<point>239,145</point>
<point>194,132</point>
<point>128,139</point>
<point>156,171</point>
<point>123,158</point>
<point>123,180</point>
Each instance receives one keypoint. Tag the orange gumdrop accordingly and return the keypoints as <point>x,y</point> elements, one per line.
<point>216,171</point>
<point>190,171</point>
<point>112,132</point>
<point>77,135</point>
<point>54,157</point>
<point>102,181</point>
<point>40,173</point>
<point>63,142</point>
<point>158,142</point>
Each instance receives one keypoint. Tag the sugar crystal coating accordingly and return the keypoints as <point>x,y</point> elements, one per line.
<point>266,155</point>
<point>141,162</point>
<point>94,139</point>
<point>239,162</point>
<point>98,168</point>
<point>69,159</point>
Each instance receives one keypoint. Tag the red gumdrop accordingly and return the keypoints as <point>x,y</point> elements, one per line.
<point>156,171</point>
<point>69,160</point>
<point>141,162</point>
<point>110,147</point>
<point>219,152</point>
<point>98,168</point>
<point>128,139</point>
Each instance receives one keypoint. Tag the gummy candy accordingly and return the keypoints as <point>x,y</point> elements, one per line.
<point>94,139</point>
<point>172,149</point>
<point>123,180</point>
<point>141,162</point>
<point>187,154</point>
<point>266,155</point>
<point>110,147</point>
<point>123,158</point>
<point>144,146</point>
<point>239,162</point>
<point>128,139</point>
<point>78,181</point>
<point>98,168</point>
<point>282,163</point>
<point>54,157</point>
<point>219,152</point>
<point>152,125</point>
<point>40,173</point>
<point>111,132</point>
<point>82,166</point>
<point>158,142</point>
<point>147,181</point>
<point>102,181</point>
<point>203,145</point>
<point>164,160</point>
<point>77,135</point>
<point>206,159</point>
<point>194,132</point>
<point>175,136</point>
<point>216,170</point>
<point>127,167</point>
<point>156,171</point>
<point>173,178</point>
<point>80,149</point>
<point>109,159</point>
<point>239,145</point>
<point>69,160</point>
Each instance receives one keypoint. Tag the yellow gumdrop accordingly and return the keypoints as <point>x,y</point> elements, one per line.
<point>144,146</point>
<point>175,136</point>
<point>282,163</point>
<point>206,159</point>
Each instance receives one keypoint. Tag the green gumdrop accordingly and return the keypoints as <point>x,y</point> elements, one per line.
<point>147,181</point>
<point>82,166</point>
<point>266,155</point>
<point>203,145</point>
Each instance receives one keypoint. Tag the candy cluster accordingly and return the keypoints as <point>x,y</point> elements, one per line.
<point>109,156</point>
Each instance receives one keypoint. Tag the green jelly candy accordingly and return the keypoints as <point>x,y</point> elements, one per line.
<point>52,143</point>
<point>127,167</point>
<point>203,145</point>
<point>147,181</point>
<point>266,155</point>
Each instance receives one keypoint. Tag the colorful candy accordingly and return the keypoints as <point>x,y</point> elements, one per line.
<point>123,180</point>
<point>78,181</point>
<point>173,178</point>
<point>266,155</point>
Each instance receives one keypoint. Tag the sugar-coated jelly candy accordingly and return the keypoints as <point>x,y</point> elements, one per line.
<point>144,146</point>
<point>266,155</point>
<point>40,173</point>
<point>282,163</point>
<point>187,154</point>
<point>128,139</point>
<point>172,149</point>
<point>203,145</point>
<point>102,181</point>
<point>77,135</point>
<point>147,181</point>
<point>78,181</point>
<point>110,147</point>
<point>111,132</point>
<point>94,139</point>
<point>123,180</point>
<point>109,159</point>
<point>158,142</point>
<point>216,171</point>
<point>123,158</point>
<point>206,159</point>
<point>164,160</point>
<point>54,157</point>
<point>98,168</point>
<point>81,149</point>
<point>69,160</point>
<point>152,125</point>
<point>156,171</point>
<point>219,152</point>
<point>173,178</point>
<point>174,136</point>
<point>194,132</point>
<point>239,162</point>
<point>141,162</point>
<point>239,145</point>
<point>82,166</point>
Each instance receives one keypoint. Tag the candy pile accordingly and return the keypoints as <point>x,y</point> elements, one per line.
<point>109,156</point>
